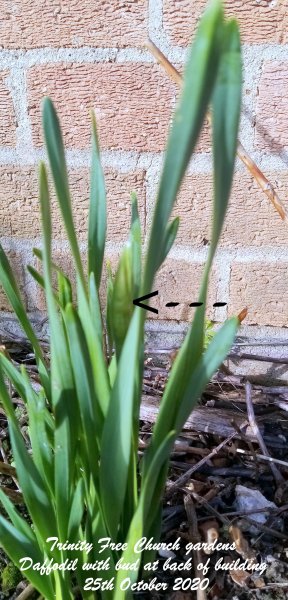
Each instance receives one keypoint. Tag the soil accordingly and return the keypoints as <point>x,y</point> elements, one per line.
<point>229,466</point>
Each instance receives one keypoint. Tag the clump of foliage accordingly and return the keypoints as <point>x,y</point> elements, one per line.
<point>10,577</point>
<point>82,480</point>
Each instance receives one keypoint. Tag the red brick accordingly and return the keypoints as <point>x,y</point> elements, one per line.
<point>21,212</point>
<point>271,129</point>
<point>132,103</point>
<point>260,21</point>
<point>179,281</point>
<point>27,24</point>
<point>251,220</point>
<point>119,187</point>
<point>263,288</point>
<point>7,116</point>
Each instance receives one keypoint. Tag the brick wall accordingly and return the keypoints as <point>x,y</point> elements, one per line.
<point>91,54</point>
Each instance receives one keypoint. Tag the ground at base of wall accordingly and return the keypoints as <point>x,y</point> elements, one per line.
<point>260,353</point>
<point>220,477</point>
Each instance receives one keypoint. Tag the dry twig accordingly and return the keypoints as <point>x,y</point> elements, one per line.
<point>256,173</point>
<point>181,481</point>
<point>27,593</point>
<point>194,537</point>
<point>251,416</point>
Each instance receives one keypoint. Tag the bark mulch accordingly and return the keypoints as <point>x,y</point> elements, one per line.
<point>227,484</point>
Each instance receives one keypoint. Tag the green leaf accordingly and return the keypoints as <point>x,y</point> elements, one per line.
<point>17,545</point>
<point>13,375</point>
<point>97,211</point>
<point>94,342</point>
<point>174,411</point>
<point>170,236</point>
<point>33,486</point>
<point>63,387</point>
<point>225,129</point>
<point>95,309</point>
<point>140,515</point>
<point>122,300</point>
<point>118,429</point>
<point>64,294</point>
<point>77,509</point>
<point>89,409</point>
<point>207,366</point>
<point>57,161</point>
<point>35,492</point>
<point>41,449</point>
<point>199,78</point>
<point>225,118</point>
<point>109,313</point>
<point>36,275</point>
<point>17,381</point>
<point>39,254</point>
<point>175,416</point>
<point>40,280</point>
<point>64,290</point>
<point>12,292</point>
<point>112,370</point>
<point>18,522</point>
<point>135,240</point>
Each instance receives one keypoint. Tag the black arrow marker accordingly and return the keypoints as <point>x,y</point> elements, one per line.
<point>138,302</point>
<point>219,304</point>
<point>195,304</point>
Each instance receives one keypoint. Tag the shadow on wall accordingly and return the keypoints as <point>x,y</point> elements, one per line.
<point>275,147</point>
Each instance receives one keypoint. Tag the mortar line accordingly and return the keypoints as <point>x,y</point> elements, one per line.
<point>223,268</point>
<point>16,83</point>
<point>266,254</point>
<point>156,26</point>
<point>88,54</point>
<point>128,161</point>
<point>27,244</point>
<point>252,68</point>
<point>166,330</point>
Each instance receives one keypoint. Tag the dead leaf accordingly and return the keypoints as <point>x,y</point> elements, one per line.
<point>210,533</point>
<point>242,546</point>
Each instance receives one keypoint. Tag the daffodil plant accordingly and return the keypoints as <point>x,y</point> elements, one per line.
<point>81,478</point>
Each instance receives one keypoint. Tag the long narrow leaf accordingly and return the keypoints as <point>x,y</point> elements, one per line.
<point>95,345</point>
<point>225,118</point>
<point>225,123</point>
<point>137,524</point>
<point>12,292</point>
<point>170,236</point>
<point>18,546</point>
<point>199,79</point>
<point>16,518</point>
<point>135,239</point>
<point>118,428</point>
<point>41,449</point>
<point>63,389</point>
<point>33,486</point>
<point>56,154</point>
<point>88,407</point>
<point>97,211</point>
<point>122,299</point>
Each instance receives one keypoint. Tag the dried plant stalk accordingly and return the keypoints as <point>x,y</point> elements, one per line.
<point>265,185</point>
